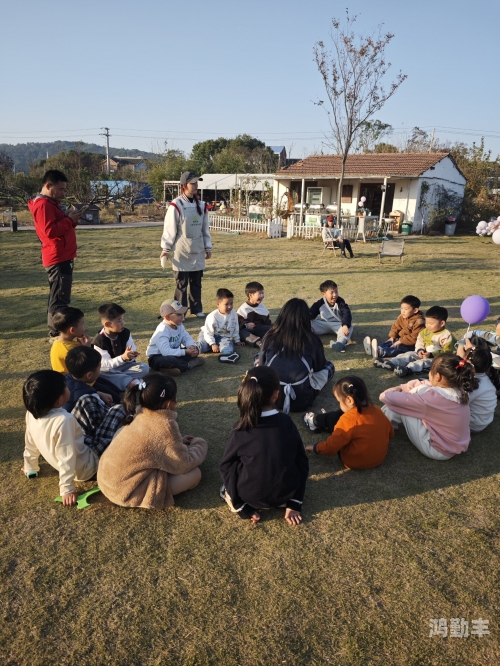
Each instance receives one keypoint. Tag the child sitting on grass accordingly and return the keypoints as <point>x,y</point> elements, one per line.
<point>483,400</point>
<point>492,338</point>
<point>264,463</point>
<point>433,340</point>
<point>149,461</point>
<point>331,314</point>
<point>70,324</point>
<point>253,316</point>
<point>361,432</point>
<point>221,330</point>
<point>171,349</point>
<point>435,411</point>
<point>403,334</point>
<point>84,368</point>
<point>55,434</point>
<point>117,348</point>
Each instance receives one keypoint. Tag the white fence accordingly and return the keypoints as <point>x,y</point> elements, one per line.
<point>273,228</point>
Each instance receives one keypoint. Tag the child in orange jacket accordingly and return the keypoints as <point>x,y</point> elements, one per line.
<point>362,432</point>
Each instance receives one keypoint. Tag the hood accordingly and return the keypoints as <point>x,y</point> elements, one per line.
<point>34,204</point>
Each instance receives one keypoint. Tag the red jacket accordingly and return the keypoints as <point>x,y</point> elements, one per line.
<point>55,230</point>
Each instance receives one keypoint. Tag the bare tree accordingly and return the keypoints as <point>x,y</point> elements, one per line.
<point>353,75</point>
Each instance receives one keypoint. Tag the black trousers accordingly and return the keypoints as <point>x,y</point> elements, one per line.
<point>60,280</point>
<point>328,421</point>
<point>191,279</point>
<point>345,245</point>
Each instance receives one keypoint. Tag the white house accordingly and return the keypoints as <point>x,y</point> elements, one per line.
<point>315,180</point>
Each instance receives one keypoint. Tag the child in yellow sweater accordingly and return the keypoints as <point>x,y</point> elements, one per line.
<point>70,324</point>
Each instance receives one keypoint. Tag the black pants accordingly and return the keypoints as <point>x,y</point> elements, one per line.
<point>345,245</point>
<point>328,421</point>
<point>193,279</point>
<point>60,280</point>
<point>159,362</point>
<point>258,331</point>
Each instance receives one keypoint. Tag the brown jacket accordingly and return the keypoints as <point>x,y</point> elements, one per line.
<point>407,330</point>
<point>134,469</point>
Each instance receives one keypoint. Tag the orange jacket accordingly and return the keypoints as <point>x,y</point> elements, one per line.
<point>362,439</point>
<point>407,330</point>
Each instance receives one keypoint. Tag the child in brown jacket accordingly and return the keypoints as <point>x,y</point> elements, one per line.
<point>403,334</point>
<point>148,461</point>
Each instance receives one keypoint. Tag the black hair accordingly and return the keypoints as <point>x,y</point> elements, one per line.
<point>252,287</point>
<point>458,373</point>
<point>223,293</point>
<point>41,390</point>
<point>291,332</point>
<point>158,390</point>
<point>195,197</point>
<point>481,359</point>
<point>54,176</point>
<point>110,311</point>
<point>327,284</point>
<point>412,301</point>
<point>255,392</point>
<point>65,318</point>
<point>355,388</point>
<point>437,312</point>
<point>81,360</point>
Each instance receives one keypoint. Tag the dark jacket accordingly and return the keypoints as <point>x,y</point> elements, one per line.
<point>340,306</point>
<point>266,466</point>
<point>292,369</point>
<point>55,230</point>
<point>114,347</point>
<point>76,389</point>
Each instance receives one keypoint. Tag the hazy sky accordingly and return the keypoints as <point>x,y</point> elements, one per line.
<point>159,70</point>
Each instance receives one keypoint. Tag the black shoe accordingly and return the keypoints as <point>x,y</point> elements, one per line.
<point>344,255</point>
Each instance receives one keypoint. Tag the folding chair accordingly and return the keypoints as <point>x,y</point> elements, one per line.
<point>330,245</point>
<point>391,248</point>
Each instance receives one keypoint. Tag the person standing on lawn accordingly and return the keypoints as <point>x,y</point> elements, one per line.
<point>56,231</point>
<point>186,240</point>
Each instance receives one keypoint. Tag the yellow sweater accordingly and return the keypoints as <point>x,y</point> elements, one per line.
<point>58,353</point>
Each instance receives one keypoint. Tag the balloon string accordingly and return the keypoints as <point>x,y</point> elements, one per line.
<point>468,329</point>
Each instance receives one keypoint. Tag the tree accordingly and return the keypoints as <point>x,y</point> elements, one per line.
<point>168,165</point>
<point>385,148</point>
<point>6,162</point>
<point>353,76</point>
<point>371,133</point>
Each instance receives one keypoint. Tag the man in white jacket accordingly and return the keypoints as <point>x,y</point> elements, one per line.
<point>186,240</point>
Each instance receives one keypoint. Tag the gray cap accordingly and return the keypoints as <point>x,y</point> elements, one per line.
<point>189,177</point>
<point>171,306</point>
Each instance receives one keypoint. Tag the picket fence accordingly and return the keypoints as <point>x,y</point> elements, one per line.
<point>273,228</point>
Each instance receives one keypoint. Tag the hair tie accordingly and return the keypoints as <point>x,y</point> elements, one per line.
<point>350,386</point>
<point>141,385</point>
<point>162,394</point>
<point>461,364</point>
<point>255,379</point>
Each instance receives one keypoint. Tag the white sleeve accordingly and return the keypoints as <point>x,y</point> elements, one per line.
<point>186,340</point>
<point>131,343</point>
<point>31,453</point>
<point>66,454</point>
<point>208,329</point>
<point>160,339</point>
<point>170,226</point>
<point>207,240</point>
<point>235,326</point>
<point>108,363</point>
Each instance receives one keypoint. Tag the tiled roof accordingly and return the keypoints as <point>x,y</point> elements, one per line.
<point>375,164</point>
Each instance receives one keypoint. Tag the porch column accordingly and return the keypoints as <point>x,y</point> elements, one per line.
<point>302,202</point>
<point>382,204</point>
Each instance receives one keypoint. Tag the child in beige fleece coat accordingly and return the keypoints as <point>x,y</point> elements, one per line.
<point>148,461</point>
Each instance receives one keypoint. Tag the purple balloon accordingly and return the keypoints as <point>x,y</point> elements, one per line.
<point>474,309</point>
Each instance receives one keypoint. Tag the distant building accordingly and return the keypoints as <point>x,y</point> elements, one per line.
<point>124,163</point>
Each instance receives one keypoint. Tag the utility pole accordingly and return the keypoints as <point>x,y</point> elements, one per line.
<point>107,135</point>
<point>432,140</point>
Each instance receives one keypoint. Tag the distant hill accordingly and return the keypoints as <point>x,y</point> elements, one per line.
<point>24,153</point>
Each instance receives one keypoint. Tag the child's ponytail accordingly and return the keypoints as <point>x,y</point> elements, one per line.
<point>355,388</point>
<point>255,392</point>
<point>458,372</point>
<point>152,393</point>
<point>482,360</point>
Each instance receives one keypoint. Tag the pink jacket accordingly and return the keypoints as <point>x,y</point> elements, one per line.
<point>447,421</point>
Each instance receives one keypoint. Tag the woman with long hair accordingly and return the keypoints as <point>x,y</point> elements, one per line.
<point>296,353</point>
<point>186,240</point>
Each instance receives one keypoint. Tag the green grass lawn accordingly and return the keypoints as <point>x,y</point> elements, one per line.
<point>379,554</point>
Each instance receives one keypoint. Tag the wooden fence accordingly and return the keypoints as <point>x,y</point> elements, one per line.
<point>273,228</point>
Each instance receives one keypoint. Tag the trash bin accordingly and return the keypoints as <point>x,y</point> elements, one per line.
<point>406,228</point>
<point>13,223</point>
<point>449,229</point>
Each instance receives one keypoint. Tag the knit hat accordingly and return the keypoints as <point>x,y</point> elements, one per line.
<point>171,306</point>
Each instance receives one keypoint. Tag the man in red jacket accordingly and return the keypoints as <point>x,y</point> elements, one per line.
<point>56,230</point>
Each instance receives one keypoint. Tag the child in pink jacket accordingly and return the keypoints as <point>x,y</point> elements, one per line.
<point>435,412</point>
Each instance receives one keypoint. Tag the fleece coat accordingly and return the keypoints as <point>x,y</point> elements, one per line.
<point>134,469</point>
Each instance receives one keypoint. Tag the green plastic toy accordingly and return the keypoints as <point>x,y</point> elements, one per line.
<point>81,500</point>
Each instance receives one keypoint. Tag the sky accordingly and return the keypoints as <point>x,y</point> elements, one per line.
<point>157,70</point>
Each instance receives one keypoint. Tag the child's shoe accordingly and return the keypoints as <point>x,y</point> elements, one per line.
<point>401,372</point>
<point>223,495</point>
<point>196,362</point>
<point>367,344</point>
<point>375,349</point>
<point>229,358</point>
<point>171,372</point>
<point>308,419</point>
<point>386,365</point>
<point>337,346</point>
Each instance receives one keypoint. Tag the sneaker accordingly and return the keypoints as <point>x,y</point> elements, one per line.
<point>386,365</point>
<point>308,419</point>
<point>367,344</point>
<point>401,372</point>
<point>375,353</point>
<point>196,362</point>
<point>201,315</point>
<point>171,372</point>
<point>223,495</point>
<point>229,358</point>
<point>337,346</point>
